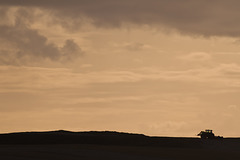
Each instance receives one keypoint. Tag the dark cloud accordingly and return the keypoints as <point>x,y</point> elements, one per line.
<point>7,57</point>
<point>201,17</point>
<point>71,50</point>
<point>29,42</point>
<point>23,43</point>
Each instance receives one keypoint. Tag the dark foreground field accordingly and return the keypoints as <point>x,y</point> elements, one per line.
<point>96,152</point>
<point>62,145</point>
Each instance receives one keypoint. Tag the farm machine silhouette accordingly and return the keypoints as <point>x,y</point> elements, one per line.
<point>208,134</point>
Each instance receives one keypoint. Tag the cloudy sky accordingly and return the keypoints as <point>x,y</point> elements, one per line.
<point>157,67</point>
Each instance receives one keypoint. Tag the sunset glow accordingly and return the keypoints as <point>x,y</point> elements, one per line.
<point>165,68</point>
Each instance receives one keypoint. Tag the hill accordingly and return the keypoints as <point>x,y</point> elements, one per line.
<point>108,145</point>
<point>112,138</point>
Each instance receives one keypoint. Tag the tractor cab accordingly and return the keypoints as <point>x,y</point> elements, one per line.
<point>207,134</point>
<point>208,131</point>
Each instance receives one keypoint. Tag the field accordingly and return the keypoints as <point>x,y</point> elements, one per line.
<point>113,146</point>
<point>91,152</point>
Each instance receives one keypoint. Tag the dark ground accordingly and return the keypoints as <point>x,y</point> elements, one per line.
<point>64,145</point>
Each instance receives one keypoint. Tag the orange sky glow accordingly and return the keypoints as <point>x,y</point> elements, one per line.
<point>162,68</point>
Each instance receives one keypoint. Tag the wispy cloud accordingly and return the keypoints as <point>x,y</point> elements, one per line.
<point>196,56</point>
<point>39,78</point>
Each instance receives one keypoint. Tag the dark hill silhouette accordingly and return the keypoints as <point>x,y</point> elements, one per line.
<point>108,138</point>
<point>62,145</point>
<point>68,137</point>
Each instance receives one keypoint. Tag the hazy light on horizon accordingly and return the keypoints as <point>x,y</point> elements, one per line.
<point>153,67</point>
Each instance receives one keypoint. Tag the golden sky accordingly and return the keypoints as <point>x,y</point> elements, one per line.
<point>165,68</point>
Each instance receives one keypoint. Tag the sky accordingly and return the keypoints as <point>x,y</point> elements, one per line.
<point>155,67</point>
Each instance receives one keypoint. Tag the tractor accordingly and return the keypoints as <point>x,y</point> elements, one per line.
<point>208,134</point>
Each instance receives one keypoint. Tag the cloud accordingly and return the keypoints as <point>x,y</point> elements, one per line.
<point>15,79</point>
<point>22,44</point>
<point>230,70</point>
<point>135,46</point>
<point>166,127</point>
<point>208,18</point>
<point>29,42</point>
<point>197,56</point>
<point>71,50</point>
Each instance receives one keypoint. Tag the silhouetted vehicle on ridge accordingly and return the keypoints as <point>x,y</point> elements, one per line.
<point>208,134</point>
